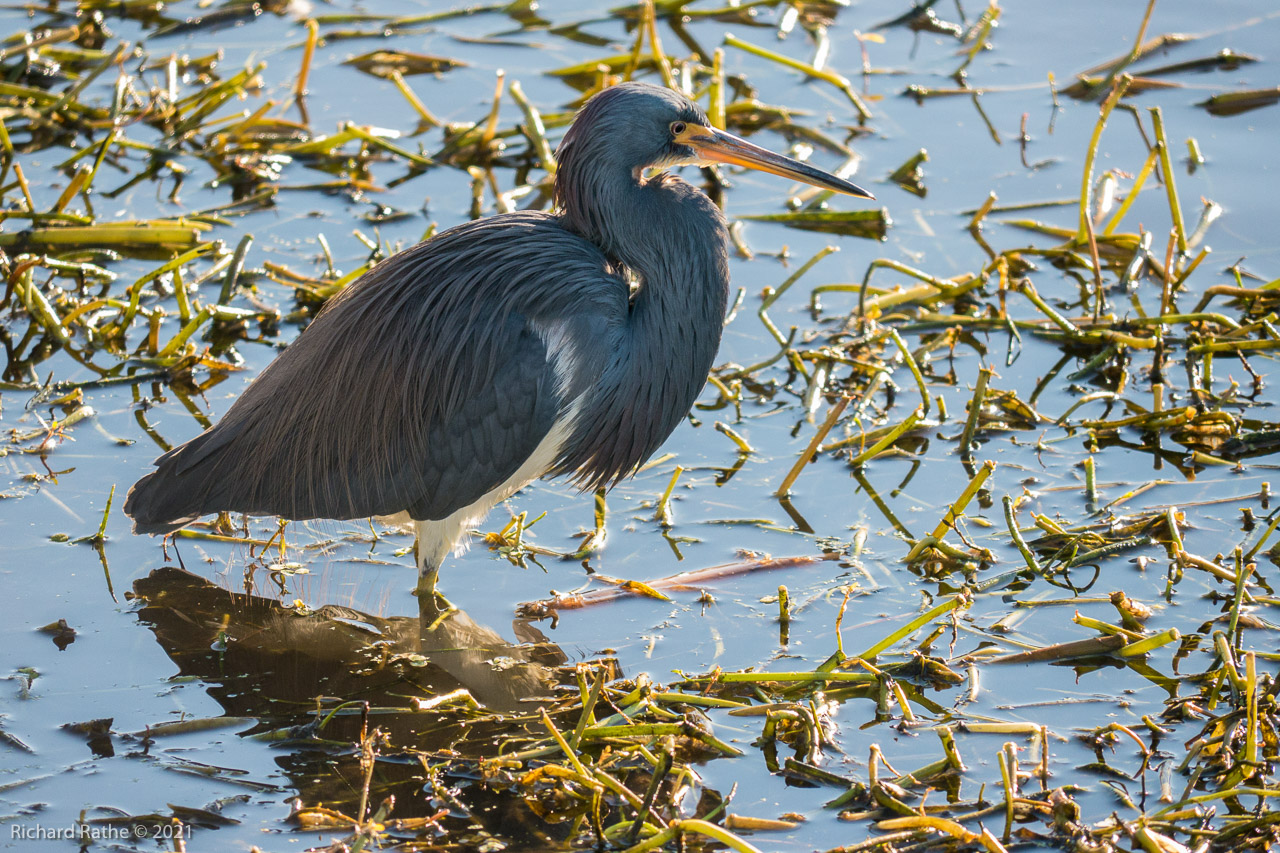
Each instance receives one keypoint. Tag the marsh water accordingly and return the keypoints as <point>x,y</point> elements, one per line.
<point>205,640</point>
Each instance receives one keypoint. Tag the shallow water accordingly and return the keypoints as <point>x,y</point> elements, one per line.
<point>122,666</point>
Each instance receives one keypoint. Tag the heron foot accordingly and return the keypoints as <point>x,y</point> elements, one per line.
<point>443,608</point>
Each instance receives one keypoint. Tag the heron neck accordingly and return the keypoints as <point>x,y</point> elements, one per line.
<point>673,239</point>
<point>677,249</point>
<point>663,229</point>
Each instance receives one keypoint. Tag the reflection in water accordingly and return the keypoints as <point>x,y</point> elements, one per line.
<point>219,635</point>
<point>259,658</point>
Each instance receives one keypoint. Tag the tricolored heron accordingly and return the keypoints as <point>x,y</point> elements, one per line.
<point>499,351</point>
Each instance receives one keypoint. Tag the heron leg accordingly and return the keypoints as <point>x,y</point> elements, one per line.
<point>433,607</point>
<point>427,577</point>
<point>429,552</point>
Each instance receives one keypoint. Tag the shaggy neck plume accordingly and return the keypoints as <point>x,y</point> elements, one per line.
<point>673,240</point>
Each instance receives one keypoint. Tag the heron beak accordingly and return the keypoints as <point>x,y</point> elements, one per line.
<point>718,146</point>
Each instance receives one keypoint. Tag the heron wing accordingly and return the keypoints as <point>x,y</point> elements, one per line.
<point>422,387</point>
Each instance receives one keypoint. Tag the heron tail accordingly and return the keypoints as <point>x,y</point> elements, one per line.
<point>181,489</point>
<point>153,505</point>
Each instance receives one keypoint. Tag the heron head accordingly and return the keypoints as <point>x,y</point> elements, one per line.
<point>637,126</point>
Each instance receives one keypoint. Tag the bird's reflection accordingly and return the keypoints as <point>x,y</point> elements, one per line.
<point>259,657</point>
<point>289,658</point>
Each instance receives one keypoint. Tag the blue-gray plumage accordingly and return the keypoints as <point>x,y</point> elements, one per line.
<point>525,344</point>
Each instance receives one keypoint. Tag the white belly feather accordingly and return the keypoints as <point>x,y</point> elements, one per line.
<point>436,539</point>
<point>439,537</point>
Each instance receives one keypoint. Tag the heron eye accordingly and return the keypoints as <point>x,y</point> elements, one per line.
<point>678,127</point>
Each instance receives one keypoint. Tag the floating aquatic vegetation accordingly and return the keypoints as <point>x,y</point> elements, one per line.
<point>407,731</point>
